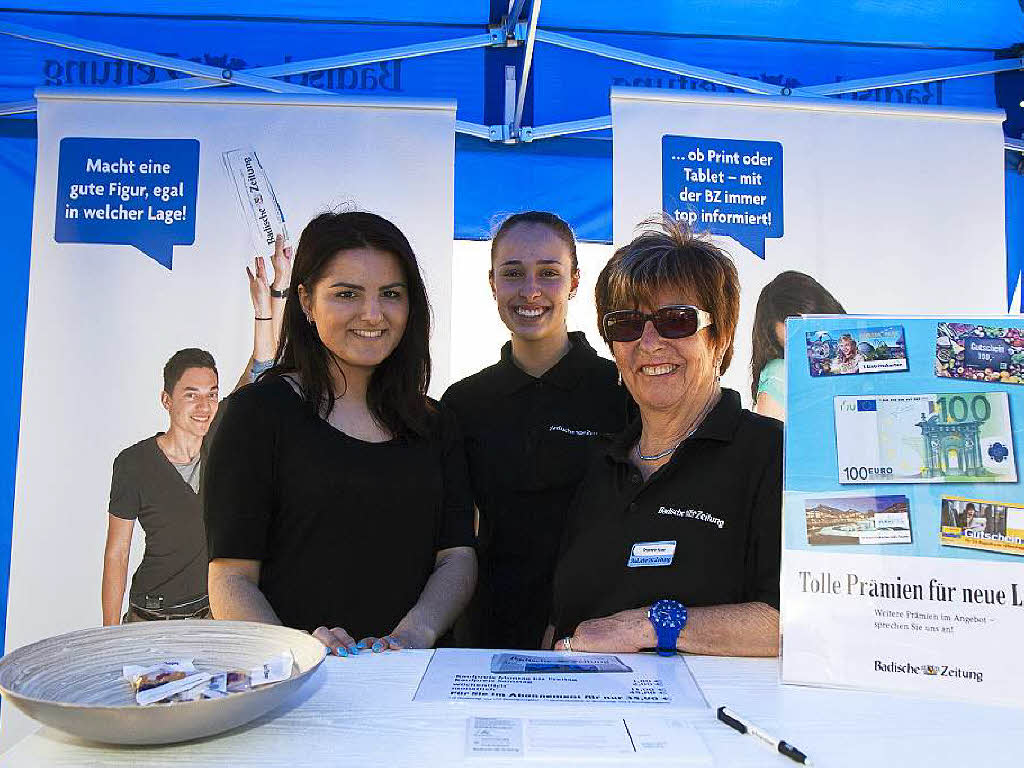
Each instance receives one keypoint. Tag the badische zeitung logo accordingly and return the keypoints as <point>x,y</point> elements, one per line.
<point>931,670</point>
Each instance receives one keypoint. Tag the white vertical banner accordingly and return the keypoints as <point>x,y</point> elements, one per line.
<point>893,208</point>
<point>140,240</point>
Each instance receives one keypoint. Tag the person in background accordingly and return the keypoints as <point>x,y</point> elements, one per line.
<point>529,422</point>
<point>336,496</point>
<point>157,480</point>
<point>673,538</point>
<point>788,295</point>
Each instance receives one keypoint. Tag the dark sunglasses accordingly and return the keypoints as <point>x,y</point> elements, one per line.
<point>674,322</point>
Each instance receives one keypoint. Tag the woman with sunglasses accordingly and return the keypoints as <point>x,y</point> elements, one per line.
<point>673,539</point>
<point>529,422</point>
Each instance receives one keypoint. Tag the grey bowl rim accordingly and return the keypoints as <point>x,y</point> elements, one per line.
<point>13,695</point>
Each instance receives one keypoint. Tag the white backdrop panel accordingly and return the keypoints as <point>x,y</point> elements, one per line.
<point>893,208</point>
<point>103,319</point>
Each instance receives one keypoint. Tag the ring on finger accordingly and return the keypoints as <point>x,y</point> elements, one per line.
<point>567,644</point>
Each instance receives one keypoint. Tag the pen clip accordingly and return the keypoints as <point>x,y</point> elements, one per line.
<point>732,722</point>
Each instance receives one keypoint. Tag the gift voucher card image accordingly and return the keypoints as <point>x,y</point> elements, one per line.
<point>980,352</point>
<point>858,520</point>
<point>962,437</point>
<point>995,526</point>
<point>865,350</point>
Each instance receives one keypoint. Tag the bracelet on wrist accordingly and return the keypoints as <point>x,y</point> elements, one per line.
<point>264,318</point>
<point>282,294</point>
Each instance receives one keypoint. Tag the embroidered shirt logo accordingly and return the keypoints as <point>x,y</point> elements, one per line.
<point>577,432</point>
<point>692,514</point>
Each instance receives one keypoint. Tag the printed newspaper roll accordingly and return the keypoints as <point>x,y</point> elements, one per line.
<point>258,203</point>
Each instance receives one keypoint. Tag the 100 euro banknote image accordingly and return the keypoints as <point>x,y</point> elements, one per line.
<point>963,437</point>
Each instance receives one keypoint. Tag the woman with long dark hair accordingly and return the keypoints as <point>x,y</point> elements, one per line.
<point>337,498</point>
<point>790,294</point>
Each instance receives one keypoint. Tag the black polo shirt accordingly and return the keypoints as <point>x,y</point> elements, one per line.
<point>714,511</point>
<point>528,443</point>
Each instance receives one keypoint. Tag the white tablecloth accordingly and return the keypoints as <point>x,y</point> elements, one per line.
<point>359,712</point>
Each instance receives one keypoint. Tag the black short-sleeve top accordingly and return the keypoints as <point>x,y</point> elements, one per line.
<point>346,531</point>
<point>705,529</point>
<point>528,443</point>
<point>145,486</point>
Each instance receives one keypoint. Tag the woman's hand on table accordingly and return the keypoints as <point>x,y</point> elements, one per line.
<point>409,636</point>
<point>339,642</point>
<point>622,632</point>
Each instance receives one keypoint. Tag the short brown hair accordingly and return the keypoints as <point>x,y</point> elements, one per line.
<point>668,254</point>
<point>181,361</point>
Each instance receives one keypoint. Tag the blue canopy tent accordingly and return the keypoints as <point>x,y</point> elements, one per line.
<point>531,80</point>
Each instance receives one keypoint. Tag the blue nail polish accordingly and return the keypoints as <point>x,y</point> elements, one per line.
<point>361,645</point>
<point>354,650</point>
<point>342,651</point>
<point>377,647</point>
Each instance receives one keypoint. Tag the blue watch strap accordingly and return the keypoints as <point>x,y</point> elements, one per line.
<point>668,618</point>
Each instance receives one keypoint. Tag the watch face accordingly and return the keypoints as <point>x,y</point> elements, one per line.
<point>666,619</point>
<point>668,613</point>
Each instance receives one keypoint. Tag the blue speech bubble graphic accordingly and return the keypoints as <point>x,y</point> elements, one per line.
<point>724,186</point>
<point>139,192</point>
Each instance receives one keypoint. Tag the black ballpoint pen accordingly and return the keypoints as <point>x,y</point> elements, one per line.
<point>735,722</point>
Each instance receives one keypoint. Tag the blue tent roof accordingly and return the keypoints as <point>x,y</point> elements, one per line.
<point>988,24</point>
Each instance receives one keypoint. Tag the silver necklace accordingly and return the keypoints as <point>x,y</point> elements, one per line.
<point>711,403</point>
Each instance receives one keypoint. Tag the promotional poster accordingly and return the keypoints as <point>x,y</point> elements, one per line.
<point>912,581</point>
<point>149,209</point>
<point>841,196</point>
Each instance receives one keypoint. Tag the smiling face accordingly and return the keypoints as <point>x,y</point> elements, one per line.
<point>662,374</point>
<point>531,280</point>
<point>847,347</point>
<point>192,403</point>
<point>360,306</point>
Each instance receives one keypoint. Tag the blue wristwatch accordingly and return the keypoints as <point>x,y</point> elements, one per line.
<point>668,618</point>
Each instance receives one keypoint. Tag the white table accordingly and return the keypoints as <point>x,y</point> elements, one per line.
<point>359,712</point>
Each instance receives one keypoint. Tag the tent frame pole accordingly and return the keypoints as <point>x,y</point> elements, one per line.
<point>220,76</point>
<point>564,129</point>
<point>666,65</point>
<point>514,12</point>
<point>348,60</point>
<point>262,78</point>
<point>991,67</point>
<point>531,35</point>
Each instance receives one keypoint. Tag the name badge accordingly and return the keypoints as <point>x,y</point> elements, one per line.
<point>651,553</point>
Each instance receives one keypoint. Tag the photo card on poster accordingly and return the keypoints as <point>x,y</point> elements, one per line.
<point>979,352</point>
<point>860,519</point>
<point>993,526</point>
<point>851,351</point>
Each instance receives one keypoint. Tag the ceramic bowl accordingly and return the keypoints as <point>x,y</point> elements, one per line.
<point>73,682</point>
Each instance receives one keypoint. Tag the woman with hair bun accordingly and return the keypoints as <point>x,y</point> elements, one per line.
<point>529,421</point>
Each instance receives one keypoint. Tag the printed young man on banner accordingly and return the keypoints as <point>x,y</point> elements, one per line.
<point>156,481</point>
